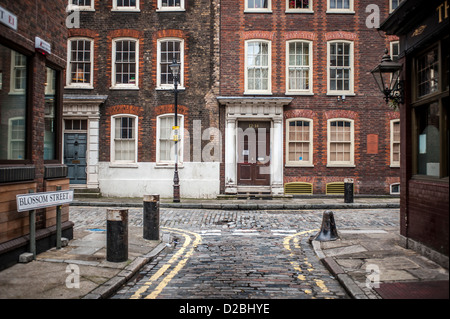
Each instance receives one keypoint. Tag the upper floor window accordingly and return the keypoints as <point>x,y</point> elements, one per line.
<point>395,143</point>
<point>428,72</point>
<point>340,142</point>
<point>85,5</point>
<point>125,67</point>
<point>169,49</point>
<point>299,67</point>
<point>13,106</point>
<point>340,67</point>
<point>80,63</point>
<point>258,67</point>
<point>125,5</point>
<point>395,50</point>
<point>340,6</point>
<point>50,119</point>
<point>258,5</point>
<point>171,5</point>
<point>393,4</point>
<point>299,5</point>
<point>18,73</point>
<point>123,138</point>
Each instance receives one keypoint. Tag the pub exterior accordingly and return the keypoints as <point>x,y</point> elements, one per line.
<point>33,39</point>
<point>423,29</point>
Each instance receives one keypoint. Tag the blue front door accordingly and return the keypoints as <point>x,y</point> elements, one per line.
<point>75,156</point>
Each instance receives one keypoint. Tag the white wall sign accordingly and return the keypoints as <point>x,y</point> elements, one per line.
<point>32,201</point>
<point>42,46</point>
<point>8,18</point>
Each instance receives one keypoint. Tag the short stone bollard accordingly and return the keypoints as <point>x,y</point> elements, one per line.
<point>151,217</point>
<point>117,235</point>
<point>328,231</point>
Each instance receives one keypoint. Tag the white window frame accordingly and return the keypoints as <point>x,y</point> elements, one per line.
<point>391,191</point>
<point>350,91</point>
<point>165,9</point>
<point>125,86</point>
<point>269,62</point>
<point>69,84</point>
<point>391,7</point>
<point>160,86</point>
<point>310,162</point>
<point>13,89</point>
<point>180,142</point>
<point>11,140</point>
<point>394,163</point>
<point>74,7</point>
<point>294,91</point>
<point>391,49</point>
<point>113,137</point>
<point>350,163</point>
<point>338,10</point>
<point>125,9</point>
<point>301,10</point>
<point>259,10</point>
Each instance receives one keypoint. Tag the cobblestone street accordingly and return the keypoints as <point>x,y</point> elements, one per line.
<point>237,254</point>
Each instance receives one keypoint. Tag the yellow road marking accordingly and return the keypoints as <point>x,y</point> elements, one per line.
<point>295,242</point>
<point>164,268</point>
<point>177,268</point>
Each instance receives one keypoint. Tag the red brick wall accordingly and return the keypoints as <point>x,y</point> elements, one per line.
<point>428,214</point>
<point>372,172</point>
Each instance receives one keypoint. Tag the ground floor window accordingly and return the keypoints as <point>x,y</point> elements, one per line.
<point>124,138</point>
<point>165,139</point>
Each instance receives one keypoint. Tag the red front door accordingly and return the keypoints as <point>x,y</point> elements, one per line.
<point>253,166</point>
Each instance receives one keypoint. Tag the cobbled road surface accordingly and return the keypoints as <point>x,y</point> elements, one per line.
<point>238,254</point>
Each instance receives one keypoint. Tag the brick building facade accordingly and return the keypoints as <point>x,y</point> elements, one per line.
<point>300,70</point>
<point>33,39</point>
<point>423,29</point>
<point>119,100</point>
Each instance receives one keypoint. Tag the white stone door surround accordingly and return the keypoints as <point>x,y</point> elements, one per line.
<point>87,107</point>
<point>254,109</point>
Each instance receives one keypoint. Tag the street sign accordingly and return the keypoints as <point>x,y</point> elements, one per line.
<point>33,201</point>
<point>175,133</point>
<point>8,19</point>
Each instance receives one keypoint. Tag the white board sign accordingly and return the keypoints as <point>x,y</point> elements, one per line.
<point>7,18</point>
<point>32,201</point>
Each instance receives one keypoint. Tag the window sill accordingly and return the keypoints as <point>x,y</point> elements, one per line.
<point>171,10</point>
<point>334,93</point>
<point>257,11</point>
<point>168,88</point>
<point>74,87</point>
<point>340,12</point>
<point>257,93</point>
<point>394,166</point>
<point>131,88</point>
<point>300,93</point>
<point>79,8</point>
<point>299,11</point>
<point>168,165</point>
<point>126,10</point>
<point>123,165</point>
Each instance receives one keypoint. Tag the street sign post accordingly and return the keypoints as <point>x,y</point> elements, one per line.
<point>32,201</point>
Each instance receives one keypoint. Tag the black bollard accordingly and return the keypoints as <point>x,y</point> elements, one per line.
<point>151,217</point>
<point>328,231</point>
<point>348,190</point>
<point>117,235</point>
